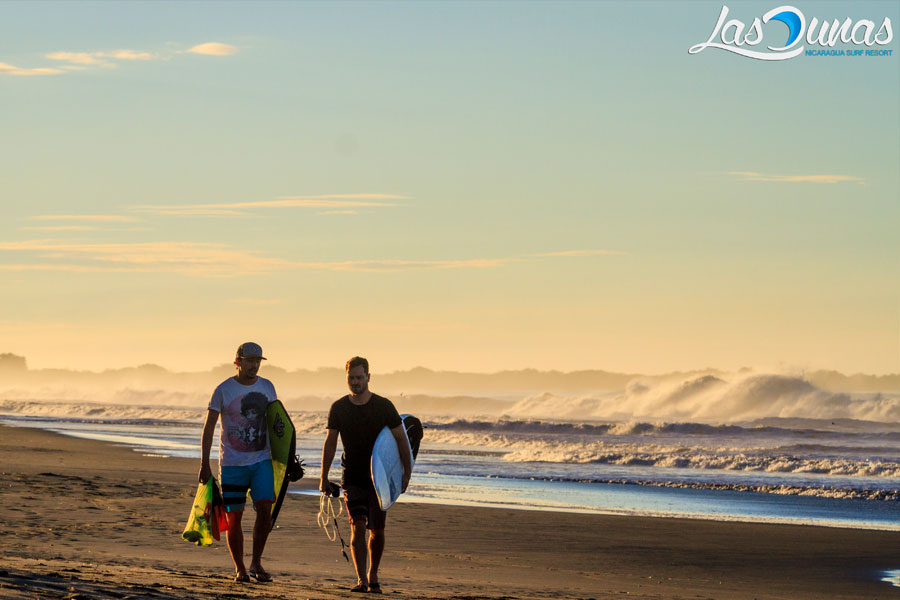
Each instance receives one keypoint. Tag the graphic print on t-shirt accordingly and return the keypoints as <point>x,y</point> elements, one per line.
<point>247,418</point>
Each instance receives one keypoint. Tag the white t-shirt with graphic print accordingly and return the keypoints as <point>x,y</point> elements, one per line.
<point>244,440</point>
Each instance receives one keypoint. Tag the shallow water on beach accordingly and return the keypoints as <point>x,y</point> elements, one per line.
<point>623,499</point>
<point>472,466</point>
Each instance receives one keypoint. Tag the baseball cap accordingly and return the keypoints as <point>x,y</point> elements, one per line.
<point>249,350</point>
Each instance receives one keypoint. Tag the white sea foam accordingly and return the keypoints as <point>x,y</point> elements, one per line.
<point>304,422</point>
<point>757,424</point>
<point>91,410</point>
<point>699,458</point>
<point>703,454</point>
<point>838,493</point>
<point>714,399</point>
<point>846,458</point>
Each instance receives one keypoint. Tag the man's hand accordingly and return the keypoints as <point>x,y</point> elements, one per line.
<point>405,454</point>
<point>328,450</point>
<point>329,489</point>
<point>205,473</point>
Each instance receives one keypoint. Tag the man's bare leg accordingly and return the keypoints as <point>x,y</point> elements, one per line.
<point>376,549</point>
<point>261,529</point>
<point>358,551</point>
<point>235,538</point>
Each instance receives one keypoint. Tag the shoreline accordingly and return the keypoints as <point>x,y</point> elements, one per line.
<point>639,515</point>
<point>853,505</point>
<point>89,519</point>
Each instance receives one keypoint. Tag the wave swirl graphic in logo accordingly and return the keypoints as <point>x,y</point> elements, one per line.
<point>794,23</point>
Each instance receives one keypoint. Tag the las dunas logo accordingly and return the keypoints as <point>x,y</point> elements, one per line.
<point>733,35</point>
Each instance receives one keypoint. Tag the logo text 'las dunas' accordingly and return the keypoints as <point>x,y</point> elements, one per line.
<point>734,36</point>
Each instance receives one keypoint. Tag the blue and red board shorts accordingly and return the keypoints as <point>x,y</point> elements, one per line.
<point>258,478</point>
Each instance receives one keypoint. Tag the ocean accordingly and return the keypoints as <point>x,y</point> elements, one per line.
<point>794,454</point>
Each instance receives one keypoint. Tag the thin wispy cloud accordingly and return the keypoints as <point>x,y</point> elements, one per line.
<point>83,223</point>
<point>214,260</point>
<point>96,218</point>
<point>79,58</point>
<point>80,228</point>
<point>6,69</point>
<point>19,268</point>
<point>60,228</point>
<point>193,258</point>
<point>188,211</point>
<point>213,49</point>
<point>579,253</point>
<point>107,59</point>
<point>187,258</point>
<point>389,266</point>
<point>79,61</point>
<point>344,197</point>
<point>332,201</point>
<point>751,176</point>
<point>131,55</point>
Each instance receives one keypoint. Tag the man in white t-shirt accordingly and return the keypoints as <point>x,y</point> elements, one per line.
<point>244,459</point>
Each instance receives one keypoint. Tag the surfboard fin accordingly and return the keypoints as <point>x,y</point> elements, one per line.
<point>294,469</point>
<point>415,431</point>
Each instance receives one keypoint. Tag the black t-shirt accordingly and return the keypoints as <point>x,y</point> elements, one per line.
<point>359,426</point>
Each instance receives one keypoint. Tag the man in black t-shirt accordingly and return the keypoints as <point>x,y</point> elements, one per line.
<point>358,418</point>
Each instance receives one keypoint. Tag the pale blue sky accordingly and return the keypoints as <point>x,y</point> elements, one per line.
<point>477,137</point>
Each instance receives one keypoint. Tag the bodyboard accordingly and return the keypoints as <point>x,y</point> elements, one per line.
<point>282,445</point>
<point>207,516</point>
<point>387,467</point>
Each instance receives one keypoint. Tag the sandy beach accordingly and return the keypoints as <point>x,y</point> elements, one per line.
<point>86,519</point>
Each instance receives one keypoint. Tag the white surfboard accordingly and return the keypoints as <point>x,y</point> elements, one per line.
<point>387,468</point>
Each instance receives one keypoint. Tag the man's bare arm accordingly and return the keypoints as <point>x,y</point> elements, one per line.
<point>328,450</point>
<point>209,430</point>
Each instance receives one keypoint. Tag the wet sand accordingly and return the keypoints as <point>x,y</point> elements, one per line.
<point>84,519</point>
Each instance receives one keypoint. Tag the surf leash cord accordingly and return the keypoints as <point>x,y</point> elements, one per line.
<point>328,520</point>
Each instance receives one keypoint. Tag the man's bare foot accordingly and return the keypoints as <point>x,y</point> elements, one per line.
<point>260,574</point>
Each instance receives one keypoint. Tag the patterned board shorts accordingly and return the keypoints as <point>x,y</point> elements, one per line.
<point>258,478</point>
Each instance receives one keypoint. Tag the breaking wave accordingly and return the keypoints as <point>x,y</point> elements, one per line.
<point>772,450</point>
<point>123,413</point>
<point>710,399</point>
<point>713,399</point>
<point>700,458</point>
<point>804,427</point>
<point>128,414</point>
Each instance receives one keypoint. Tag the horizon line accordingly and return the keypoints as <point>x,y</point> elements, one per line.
<point>798,372</point>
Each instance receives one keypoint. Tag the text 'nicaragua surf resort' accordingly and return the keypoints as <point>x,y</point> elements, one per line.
<point>734,35</point>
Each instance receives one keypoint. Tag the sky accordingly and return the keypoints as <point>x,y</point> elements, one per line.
<point>459,185</point>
